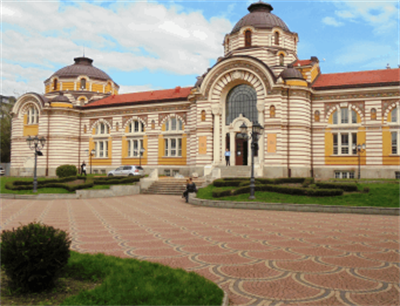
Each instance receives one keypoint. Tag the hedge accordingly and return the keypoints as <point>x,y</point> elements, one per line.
<point>218,193</point>
<point>346,187</point>
<point>66,170</point>
<point>308,181</point>
<point>229,183</point>
<point>300,191</point>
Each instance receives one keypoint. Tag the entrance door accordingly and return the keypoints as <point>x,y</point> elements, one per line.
<point>241,152</point>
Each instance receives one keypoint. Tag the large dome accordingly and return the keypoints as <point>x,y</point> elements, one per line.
<point>260,17</point>
<point>82,66</point>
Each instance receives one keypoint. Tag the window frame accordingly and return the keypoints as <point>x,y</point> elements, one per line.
<point>103,151</point>
<point>173,147</point>
<point>178,125</point>
<point>134,145</point>
<point>339,148</point>
<point>394,143</point>
<point>33,115</point>
<point>345,116</point>
<point>102,129</point>
<point>395,111</point>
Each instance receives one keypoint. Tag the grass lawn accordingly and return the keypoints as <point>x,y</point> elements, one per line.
<point>109,280</point>
<point>383,195</point>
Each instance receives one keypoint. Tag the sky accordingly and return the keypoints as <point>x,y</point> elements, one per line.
<point>150,45</point>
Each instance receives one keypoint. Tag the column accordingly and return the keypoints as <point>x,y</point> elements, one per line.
<point>232,136</point>
<point>216,110</point>
<point>261,141</point>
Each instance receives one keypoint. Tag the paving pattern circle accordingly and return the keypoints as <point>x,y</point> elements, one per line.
<point>258,257</point>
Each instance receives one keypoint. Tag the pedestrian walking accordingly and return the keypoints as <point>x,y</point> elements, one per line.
<point>227,157</point>
<point>83,168</point>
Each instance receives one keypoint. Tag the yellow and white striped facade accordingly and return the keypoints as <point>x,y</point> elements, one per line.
<point>305,129</point>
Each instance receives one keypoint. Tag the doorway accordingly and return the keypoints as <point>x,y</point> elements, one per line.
<point>241,152</point>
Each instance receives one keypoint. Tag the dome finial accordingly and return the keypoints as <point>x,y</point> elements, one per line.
<point>260,7</point>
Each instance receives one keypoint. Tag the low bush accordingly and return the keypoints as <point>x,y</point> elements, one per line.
<point>33,255</point>
<point>289,180</point>
<point>227,183</point>
<point>300,191</point>
<point>307,182</point>
<point>265,181</point>
<point>346,187</point>
<point>66,170</point>
<point>218,193</point>
<point>116,179</point>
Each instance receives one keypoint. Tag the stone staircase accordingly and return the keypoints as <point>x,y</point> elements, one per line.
<point>235,171</point>
<point>170,186</point>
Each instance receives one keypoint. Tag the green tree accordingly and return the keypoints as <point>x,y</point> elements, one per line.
<point>5,129</point>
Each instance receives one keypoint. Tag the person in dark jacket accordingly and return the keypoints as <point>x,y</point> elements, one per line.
<point>83,168</point>
<point>190,187</point>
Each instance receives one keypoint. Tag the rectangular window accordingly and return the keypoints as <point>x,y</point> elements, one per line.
<point>166,147</point>
<point>345,143</point>
<point>180,125</point>
<point>179,147</point>
<point>167,125</point>
<point>344,112</point>
<point>173,147</point>
<point>129,147</point>
<point>344,175</point>
<point>394,142</point>
<point>337,174</point>
<point>397,174</point>
<point>141,145</point>
<point>335,144</point>
<point>135,148</point>
<point>106,149</point>
<point>101,149</point>
<point>354,143</point>
<point>351,175</point>
<point>394,115</point>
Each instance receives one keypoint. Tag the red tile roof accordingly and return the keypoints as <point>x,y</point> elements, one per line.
<point>165,95</point>
<point>302,63</point>
<point>360,78</point>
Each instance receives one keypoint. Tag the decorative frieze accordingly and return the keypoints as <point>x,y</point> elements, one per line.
<point>356,96</point>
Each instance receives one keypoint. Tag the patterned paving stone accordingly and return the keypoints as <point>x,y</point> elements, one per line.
<point>259,257</point>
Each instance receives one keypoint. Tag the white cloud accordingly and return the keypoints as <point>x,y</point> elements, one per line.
<point>132,88</point>
<point>51,36</point>
<point>332,21</point>
<point>380,14</point>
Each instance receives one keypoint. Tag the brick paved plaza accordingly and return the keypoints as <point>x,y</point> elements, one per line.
<point>259,257</point>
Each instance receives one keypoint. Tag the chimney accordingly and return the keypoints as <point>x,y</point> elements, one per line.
<point>177,89</point>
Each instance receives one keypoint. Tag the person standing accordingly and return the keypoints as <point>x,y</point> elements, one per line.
<point>83,168</point>
<point>227,157</point>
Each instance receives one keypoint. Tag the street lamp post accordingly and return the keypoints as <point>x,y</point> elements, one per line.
<point>92,153</point>
<point>256,132</point>
<point>142,150</point>
<point>360,148</point>
<point>36,144</point>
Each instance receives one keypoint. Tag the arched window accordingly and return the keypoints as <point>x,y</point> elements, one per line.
<point>345,116</point>
<point>276,38</point>
<point>83,84</point>
<point>373,114</point>
<point>316,116</point>
<point>203,115</point>
<point>101,128</point>
<point>173,124</point>
<point>33,115</point>
<point>242,99</point>
<point>394,115</point>
<point>136,126</point>
<point>55,82</point>
<point>227,45</point>
<point>281,59</point>
<point>247,42</point>
<point>272,111</point>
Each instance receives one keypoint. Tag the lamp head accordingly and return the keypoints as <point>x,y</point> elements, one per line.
<point>363,146</point>
<point>142,150</point>
<point>93,152</point>
<point>243,128</point>
<point>36,140</point>
<point>257,128</point>
<point>42,141</point>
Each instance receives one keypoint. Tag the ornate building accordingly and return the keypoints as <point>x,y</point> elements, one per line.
<point>312,121</point>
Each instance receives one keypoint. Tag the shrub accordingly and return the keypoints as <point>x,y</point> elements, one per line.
<point>300,191</point>
<point>265,181</point>
<point>33,255</point>
<point>366,189</point>
<point>218,193</point>
<point>346,187</point>
<point>66,170</point>
<point>224,183</point>
<point>308,181</point>
<point>289,180</point>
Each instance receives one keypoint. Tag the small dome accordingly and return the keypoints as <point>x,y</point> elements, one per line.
<point>260,17</point>
<point>291,73</point>
<point>82,66</point>
<point>60,98</point>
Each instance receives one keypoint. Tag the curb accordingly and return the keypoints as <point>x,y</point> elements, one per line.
<point>225,301</point>
<point>368,210</point>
